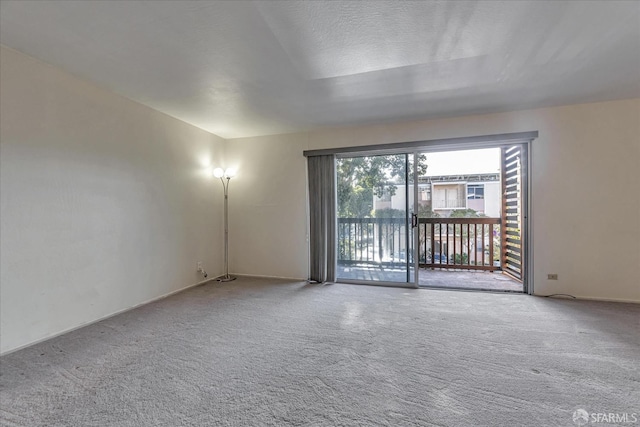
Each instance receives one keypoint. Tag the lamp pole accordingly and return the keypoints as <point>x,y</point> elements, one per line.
<point>226,175</point>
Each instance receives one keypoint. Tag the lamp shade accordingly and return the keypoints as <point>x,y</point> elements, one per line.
<point>230,173</point>
<point>218,172</point>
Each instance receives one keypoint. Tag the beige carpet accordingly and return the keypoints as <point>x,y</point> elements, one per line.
<point>264,352</point>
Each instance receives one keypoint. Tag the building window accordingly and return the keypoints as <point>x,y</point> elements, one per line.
<point>425,193</point>
<point>475,191</point>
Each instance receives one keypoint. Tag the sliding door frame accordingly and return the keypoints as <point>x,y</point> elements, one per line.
<point>525,196</point>
<point>456,144</point>
<point>411,258</point>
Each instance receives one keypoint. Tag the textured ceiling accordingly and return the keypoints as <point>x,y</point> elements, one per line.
<point>239,68</point>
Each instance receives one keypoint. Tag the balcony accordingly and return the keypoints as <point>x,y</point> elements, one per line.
<point>453,252</point>
<point>459,243</point>
<point>449,204</point>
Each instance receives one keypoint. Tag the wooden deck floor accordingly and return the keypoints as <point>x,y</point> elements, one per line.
<point>453,279</point>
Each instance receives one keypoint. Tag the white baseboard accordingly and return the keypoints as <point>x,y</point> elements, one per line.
<point>578,297</point>
<point>91,322</point>
<point>258,276</point>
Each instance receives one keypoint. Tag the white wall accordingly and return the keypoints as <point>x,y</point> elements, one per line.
<point>267,207</point>
<point>104,203</point>
<point>582,155</point>
<point>492,199</point>
<point>398,200</point>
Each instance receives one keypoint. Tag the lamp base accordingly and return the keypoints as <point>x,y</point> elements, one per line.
<point>225,278</point>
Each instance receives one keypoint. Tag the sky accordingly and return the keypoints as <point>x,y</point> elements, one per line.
<point>463,162</point>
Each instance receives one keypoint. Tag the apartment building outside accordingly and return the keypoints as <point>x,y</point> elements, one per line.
<point>445,194</point>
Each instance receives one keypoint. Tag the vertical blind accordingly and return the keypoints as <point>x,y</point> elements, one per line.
<point>322,218</point>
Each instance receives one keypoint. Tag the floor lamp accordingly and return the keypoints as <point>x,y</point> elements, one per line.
<point>225,175</point>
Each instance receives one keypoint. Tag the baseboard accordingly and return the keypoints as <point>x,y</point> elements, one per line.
<point>91,322</point>
<point>259,276</point>
<point>578,297</point>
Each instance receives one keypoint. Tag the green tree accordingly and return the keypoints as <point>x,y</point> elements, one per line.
<point>389,213</point>
<point>466,213</point>
<point>462,258</point>
<point>359,179</point>
<point>425,211</point>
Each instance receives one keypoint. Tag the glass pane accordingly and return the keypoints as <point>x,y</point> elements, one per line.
<point>373,231</point>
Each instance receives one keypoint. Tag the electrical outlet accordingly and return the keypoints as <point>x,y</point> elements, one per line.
<point>199,266</point>
<point>552,277</point>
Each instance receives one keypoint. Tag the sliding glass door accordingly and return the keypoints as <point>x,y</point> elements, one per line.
<point>469,218</point>
<point>375,233</point>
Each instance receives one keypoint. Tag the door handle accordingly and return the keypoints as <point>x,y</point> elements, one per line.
<point>414,220</point>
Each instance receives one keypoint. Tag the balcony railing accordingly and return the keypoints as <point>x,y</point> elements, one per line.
<point>459,243</point>
<point>451,243</point>
<point>379,241</point>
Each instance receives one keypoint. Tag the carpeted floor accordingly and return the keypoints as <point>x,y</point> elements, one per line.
<point>265,352</point>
